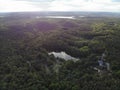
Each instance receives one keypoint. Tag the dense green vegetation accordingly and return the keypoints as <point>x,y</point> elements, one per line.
<point>26,41</point>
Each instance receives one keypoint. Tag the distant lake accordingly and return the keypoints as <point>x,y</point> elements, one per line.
<point>66,17</point>
<point>62,17</point>
<point>63,55</point>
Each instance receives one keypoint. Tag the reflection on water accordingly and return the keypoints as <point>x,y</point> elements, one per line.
<point>63,55</point>
<point>62,17</point>
<point>66,17</point>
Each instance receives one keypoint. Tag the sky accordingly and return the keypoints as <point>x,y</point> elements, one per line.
<point>59,5</point>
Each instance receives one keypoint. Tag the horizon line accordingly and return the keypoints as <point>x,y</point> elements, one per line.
<point>61,11</point>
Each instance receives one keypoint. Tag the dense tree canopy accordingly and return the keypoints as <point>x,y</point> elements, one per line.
<point>26,41</point>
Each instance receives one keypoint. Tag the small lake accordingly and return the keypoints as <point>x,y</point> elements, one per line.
<point>61,17</point>
<point>63,55</point>
<point>64,17</point>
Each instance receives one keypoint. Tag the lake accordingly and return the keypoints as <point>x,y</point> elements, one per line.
<point>61,17</point>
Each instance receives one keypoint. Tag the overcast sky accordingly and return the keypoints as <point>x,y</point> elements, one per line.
<point>59,5</point>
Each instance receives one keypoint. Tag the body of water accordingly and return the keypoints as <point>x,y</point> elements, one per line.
<point>61,17</point>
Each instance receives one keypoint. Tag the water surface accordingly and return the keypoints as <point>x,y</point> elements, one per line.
<point>61,17</point>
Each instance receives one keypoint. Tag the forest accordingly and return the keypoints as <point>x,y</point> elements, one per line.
<point>26,39</point>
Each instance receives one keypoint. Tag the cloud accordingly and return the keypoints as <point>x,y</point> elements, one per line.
<point>116,0</point>
<point>85,5</point>
<point>60,5</point>
<point>14,6</point>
